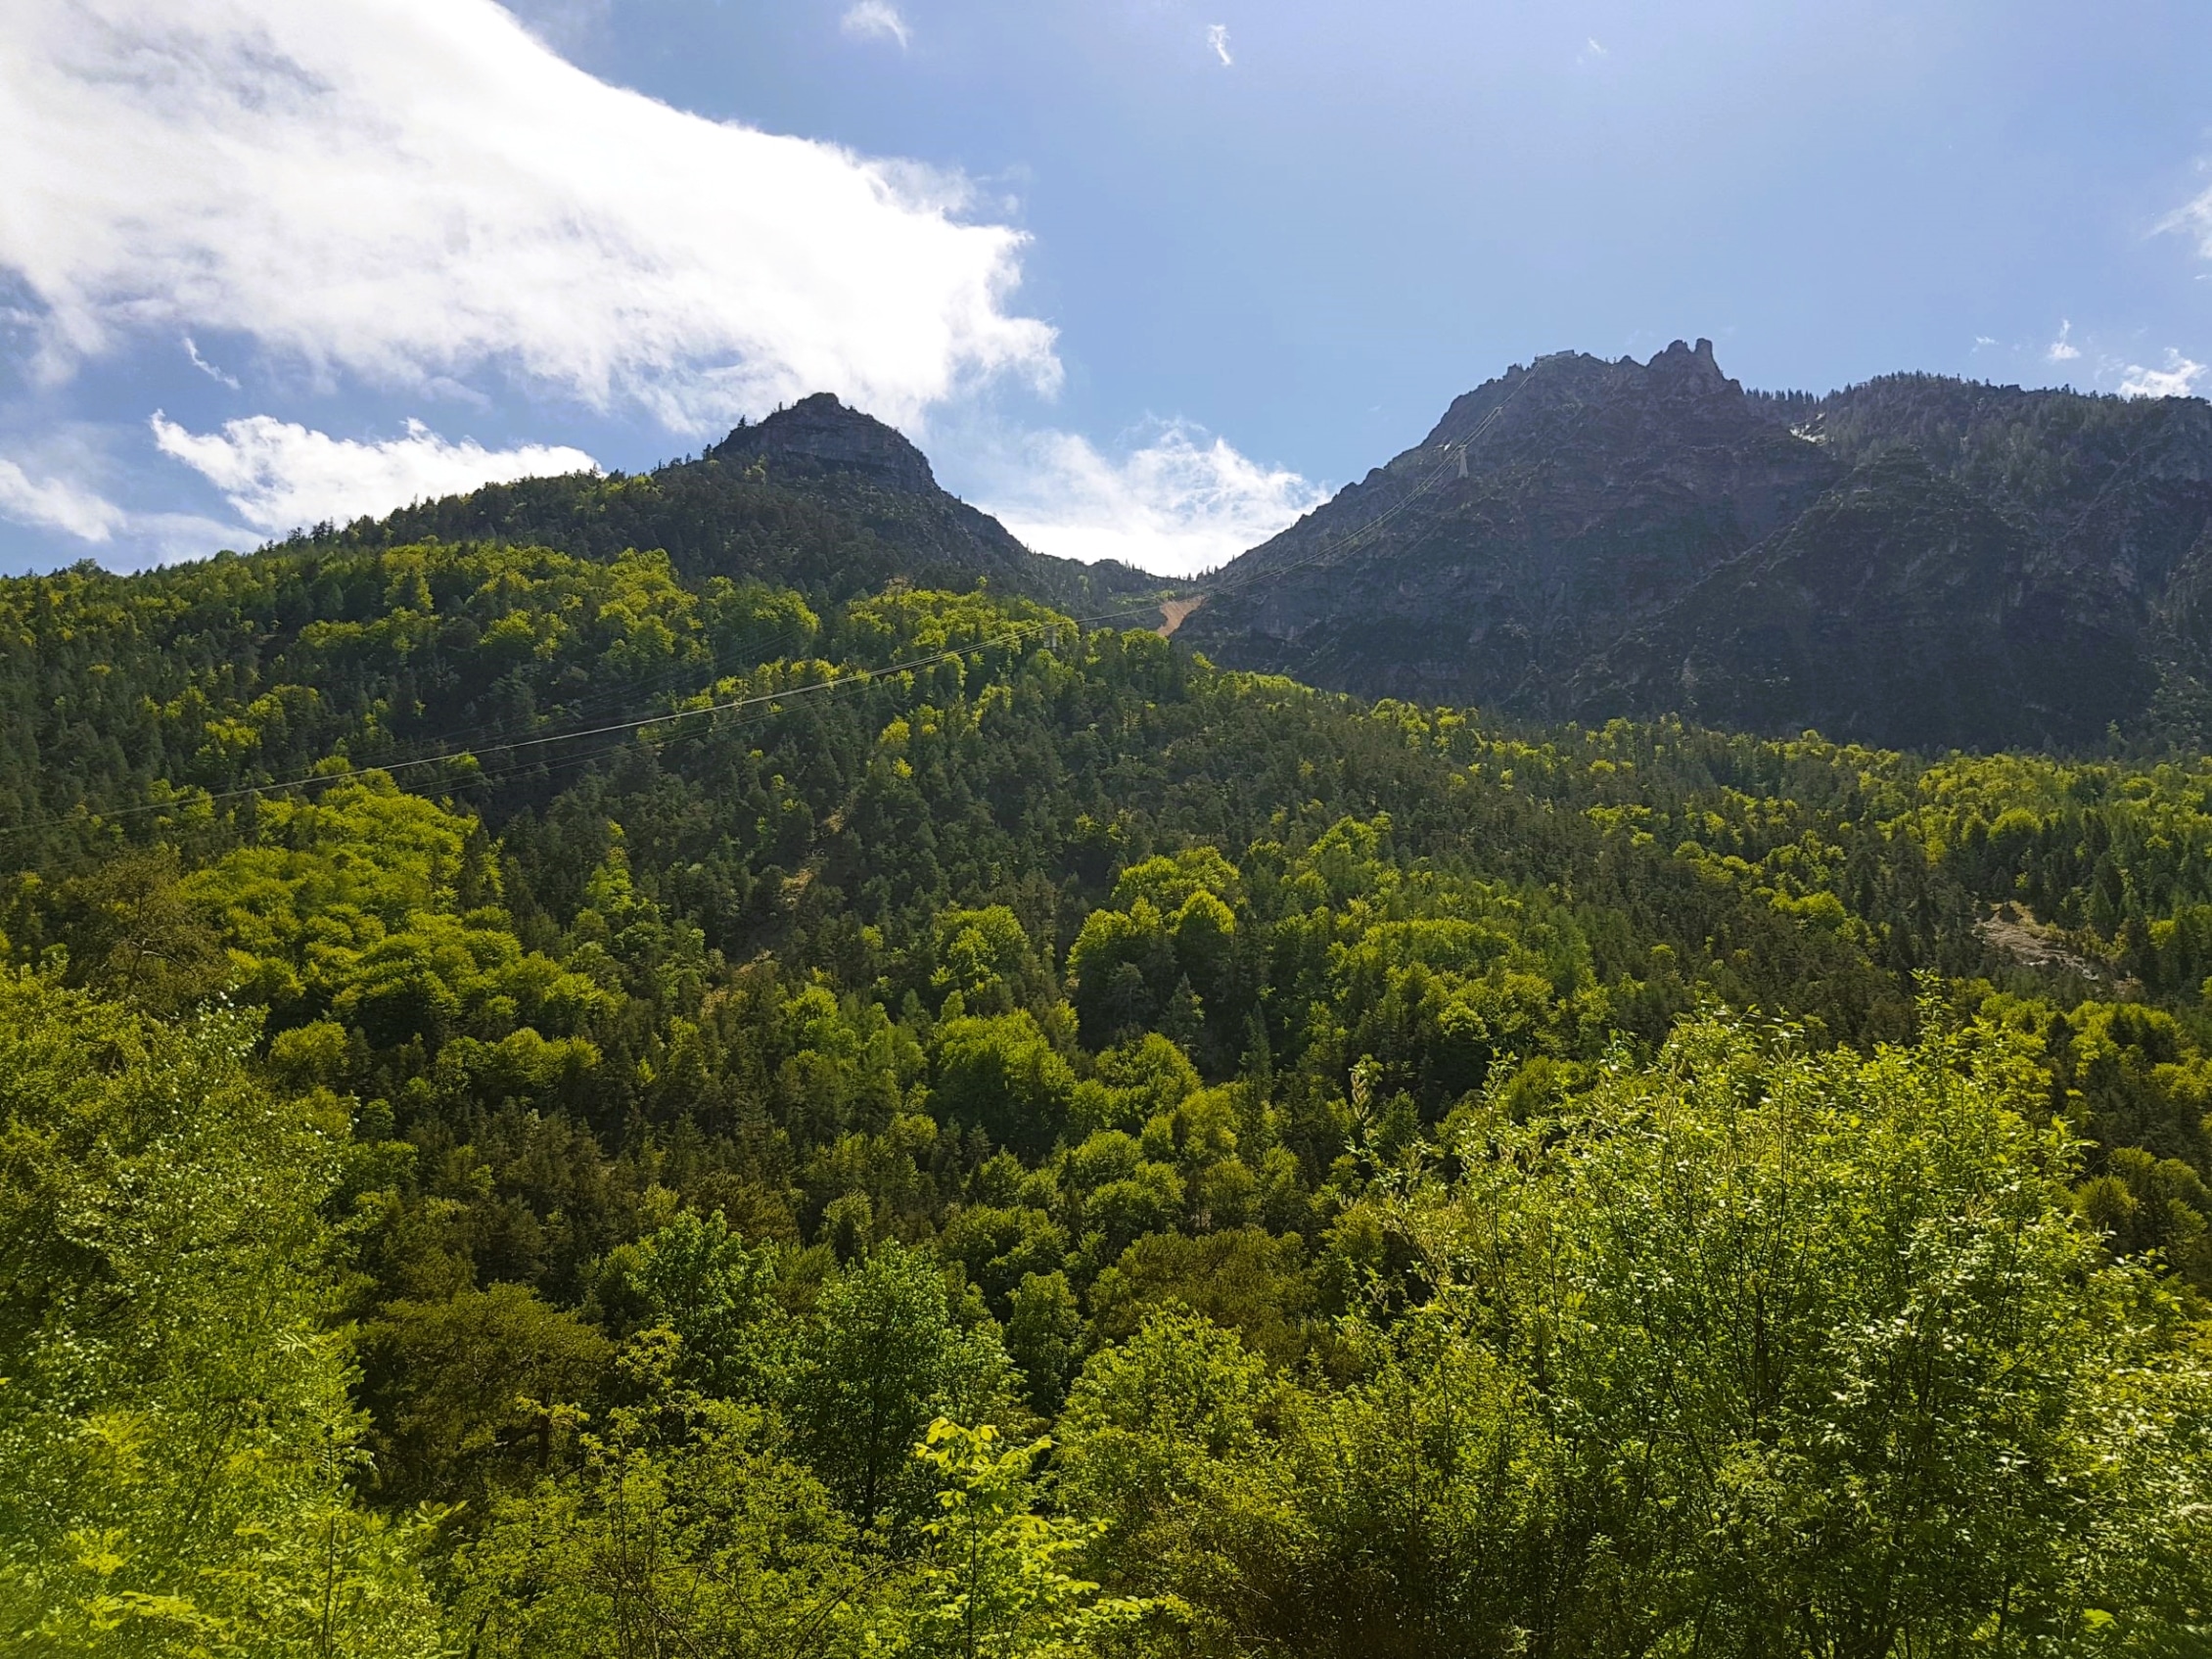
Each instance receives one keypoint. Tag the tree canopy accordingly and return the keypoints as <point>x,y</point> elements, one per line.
<point>559,1105</point>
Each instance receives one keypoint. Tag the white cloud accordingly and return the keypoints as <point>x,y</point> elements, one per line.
<point>411,189</point>
<point>2178,379</point>
<point>875,19</point>
<point>280,476</point>
<point>191,350</point>
<point>1177,505</point>
<point>1591,51</point>
<point>54,503</point>
<point>2064,350</point>
<point>46,496</point>
<point>1218,37</point>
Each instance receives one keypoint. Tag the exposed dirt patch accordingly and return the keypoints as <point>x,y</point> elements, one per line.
<point>1174,612</point>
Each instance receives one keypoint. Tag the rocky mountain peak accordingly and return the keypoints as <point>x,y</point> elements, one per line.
<point>1691,366</point>
<point>819,432</point>
<point>1683,387</point>
<point>1914,561</point>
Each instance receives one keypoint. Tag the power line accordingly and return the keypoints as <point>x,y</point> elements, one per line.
<point>635,723</point>
<point>1453,463</point>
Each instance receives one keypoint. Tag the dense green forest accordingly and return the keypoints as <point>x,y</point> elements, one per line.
<point>555,1103</point>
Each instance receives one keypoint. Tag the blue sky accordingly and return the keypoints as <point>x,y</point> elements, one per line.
<point>1145,276</point>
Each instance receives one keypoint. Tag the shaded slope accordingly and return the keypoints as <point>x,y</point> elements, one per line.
<point>1914,561</point>
<point>1901,606</point>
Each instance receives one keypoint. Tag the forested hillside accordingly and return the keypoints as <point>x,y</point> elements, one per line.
<point>585,1102</point>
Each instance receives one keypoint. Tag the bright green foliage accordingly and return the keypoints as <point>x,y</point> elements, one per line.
<point>698,1279</point>
<point>351,908</point>
<point>1761,1351</point>
<point>882,1358</point>
<point>985,959</point>
<point>1002,1074</point>
<point>239,669</point>
<point>897,626</point>
<point>995,1581</point>
<point>846,1068</point>
<point>1133,968</point>
<point>1320,1116</point>
<point>683,1529</point>
<point>1132,1082</point>
<point>1834,1316</point>
<point>1170,881</point>
<point>1172,1444</point>
<point>175,1434</point>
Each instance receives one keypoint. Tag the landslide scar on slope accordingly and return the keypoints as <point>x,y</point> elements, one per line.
<point>1174,611</point>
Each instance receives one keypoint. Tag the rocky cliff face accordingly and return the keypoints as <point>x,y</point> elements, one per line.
<point>1915,562</point>
<point>820,437</point>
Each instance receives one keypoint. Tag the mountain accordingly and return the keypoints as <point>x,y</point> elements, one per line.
<point>1915,561</point>
<point>818,496</point>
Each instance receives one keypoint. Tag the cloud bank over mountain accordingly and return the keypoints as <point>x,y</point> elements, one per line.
<point>1176,502</point>
<point>280,476</point>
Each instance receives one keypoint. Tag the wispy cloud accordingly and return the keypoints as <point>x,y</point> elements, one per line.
<point>1218,37</point>
<point>1592,50</point>
<point>1176,503</point>
<point>280,476</point>
<point>422,189</point>
<point>2195,218</point>
<point>191,350</point>
<point>875,19</point>
<point>2178,379</point>
<point>2064,350</point>
<point>41,491</point>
